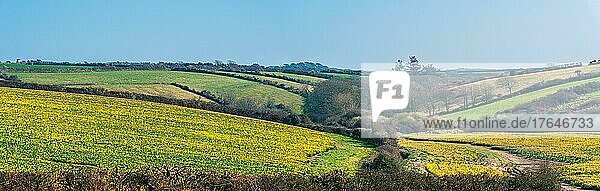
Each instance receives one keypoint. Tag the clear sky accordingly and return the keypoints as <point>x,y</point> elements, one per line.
<point>341,33</point>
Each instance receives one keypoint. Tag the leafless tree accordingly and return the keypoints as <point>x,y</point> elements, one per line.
<point>508,84</point>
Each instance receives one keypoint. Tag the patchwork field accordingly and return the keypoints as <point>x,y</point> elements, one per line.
<point>525,80</point>
<point>28,66</point>
<point>341,75</point>
<point>45,130</point>
<point>505,104</point>
<point>579,152</point>
<point>493,87</point>
<point>163,90</point>
<point>220,85</point>
<point>298,76</point>
<point>281,81</point>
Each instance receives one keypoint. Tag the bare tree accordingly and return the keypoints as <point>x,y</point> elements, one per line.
<point>446,97</point>
<point>471,95</point>
<point>508,84</point>
<point>432,95</point>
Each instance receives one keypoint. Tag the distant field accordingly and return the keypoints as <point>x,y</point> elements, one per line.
<point>584,99</point>
<point>281,81</point>
<point>341,75</point>
<point>298,76</point>
<point>220,85</point>
<point>580,151</point>
<point>527,80</point>
<point>28,66</point>
<point>492,86</point>
<point>505,104</point>
<point>163,90</point>
<point>43,130</point>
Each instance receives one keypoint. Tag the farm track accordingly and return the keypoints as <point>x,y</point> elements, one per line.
<point>518,163</point>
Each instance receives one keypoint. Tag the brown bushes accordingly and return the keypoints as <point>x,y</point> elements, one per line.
<point>181,178</point>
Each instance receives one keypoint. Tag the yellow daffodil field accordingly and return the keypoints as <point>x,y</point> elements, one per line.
<point>443,159</point>
<point>577,153</point>
<point>42,130</point>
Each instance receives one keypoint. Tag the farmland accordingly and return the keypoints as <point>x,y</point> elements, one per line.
<point>525,80</point>
<point>435,158</point>
<point>30,66</point>
<point>340,75</point>
<point>281,81</point>
<point>495,87</point>
<point>163,90</point>
<point>220,85</point>
<point>298,76</point>
<point>47,130</point>
<point>508,103</point>
<point>580,152</point>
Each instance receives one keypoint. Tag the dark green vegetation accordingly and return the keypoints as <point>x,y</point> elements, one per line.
<point>335,102</point>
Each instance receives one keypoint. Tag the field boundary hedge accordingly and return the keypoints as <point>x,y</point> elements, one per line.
<point>182,178</point>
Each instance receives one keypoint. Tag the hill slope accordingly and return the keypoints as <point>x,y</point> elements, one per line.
<point>505,104</point>
<point>220,85</point>
<point>494,89</point>
<point>43,130</point>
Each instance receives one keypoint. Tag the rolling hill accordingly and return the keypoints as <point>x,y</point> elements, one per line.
<point>493,88</point>
<point>502,105</point>
<point>43,130</point>
<point>129,80</point>
<point>298,76</point>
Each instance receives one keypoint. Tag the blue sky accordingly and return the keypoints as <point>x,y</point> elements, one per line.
<point>341,33</point>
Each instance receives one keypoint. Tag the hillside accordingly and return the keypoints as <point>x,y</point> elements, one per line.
<point>494,89</point>
<point>280,81</point>
<point>221,85</point>
<point>508,103</point>
<point>298,76</point>
<point>577,152</point>
<point>45,130</point>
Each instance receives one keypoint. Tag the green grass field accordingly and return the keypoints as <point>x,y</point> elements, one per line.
<point>341,75</point>
<point>163,90</point>
<point>505,104</point>
<point>281,81</point>
<point>493,87</point>
<point>583,99</point>
<point>298,76</point>
<point>43,130</point>
<point>29,66</point>
<point>220,85</point>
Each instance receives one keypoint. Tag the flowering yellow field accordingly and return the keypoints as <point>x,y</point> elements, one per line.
<point>42,130</point>
<point>451,159</point>
<point>580,152</point>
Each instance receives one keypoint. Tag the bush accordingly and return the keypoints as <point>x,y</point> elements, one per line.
<point>334,101</point>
